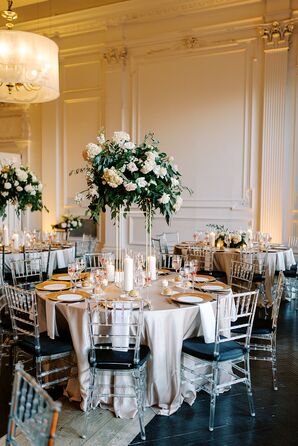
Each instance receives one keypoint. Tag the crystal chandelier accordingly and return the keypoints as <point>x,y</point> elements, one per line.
<point>29,70</point>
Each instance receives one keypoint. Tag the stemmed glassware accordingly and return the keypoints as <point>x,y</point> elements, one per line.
<point>193,267</point>
<point>74,274</point>
<point>176,262</point>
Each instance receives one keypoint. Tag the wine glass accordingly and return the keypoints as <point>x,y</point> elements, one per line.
<point>74,273</point>
<point>193,266</point>
<point>139,279</point>
<point>176,262</point>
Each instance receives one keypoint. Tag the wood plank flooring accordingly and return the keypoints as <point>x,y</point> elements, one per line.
<point>276,421</point>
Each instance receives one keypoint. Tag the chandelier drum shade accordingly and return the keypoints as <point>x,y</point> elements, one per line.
<point>29,67</point>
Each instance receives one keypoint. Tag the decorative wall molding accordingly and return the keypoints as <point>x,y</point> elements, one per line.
<point>277,34</point>
<point>115,55</point>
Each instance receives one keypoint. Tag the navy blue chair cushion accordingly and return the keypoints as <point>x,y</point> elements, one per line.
<point>118,360</point>
<point>258,278</point>
<point>228,350</point>
<point>5,322</point>
<point>48,346</point>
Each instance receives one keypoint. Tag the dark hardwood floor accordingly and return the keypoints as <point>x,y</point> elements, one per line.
<point>276,421</point>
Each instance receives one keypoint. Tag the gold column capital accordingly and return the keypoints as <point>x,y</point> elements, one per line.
<point>277,34</point>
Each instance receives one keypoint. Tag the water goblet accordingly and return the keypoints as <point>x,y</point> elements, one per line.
<point>193,266</point>
<point>176,262</point>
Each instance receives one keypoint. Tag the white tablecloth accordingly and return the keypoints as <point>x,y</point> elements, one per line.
<point>60,258</point>
<point>165,328</point>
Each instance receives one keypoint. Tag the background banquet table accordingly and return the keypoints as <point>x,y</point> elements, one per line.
<point>166,325</point>
<point>59,258</point>
<point>277,260</point>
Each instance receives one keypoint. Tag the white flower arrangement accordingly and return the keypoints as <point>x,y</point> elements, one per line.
<point>20,187</point>
<point>234,239</point>
<point>120,173</point>
<point>68,223</point>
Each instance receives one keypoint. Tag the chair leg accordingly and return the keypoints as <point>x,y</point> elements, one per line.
<point>213,396</point>
<point>249,388</point>
<point>90,396</point>
<point>274,363</point>
<point>38,371</point>
<point>139,377</point>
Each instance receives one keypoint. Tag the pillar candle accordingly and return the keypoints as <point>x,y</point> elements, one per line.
<point>212,239</point>
<point>128,273</point>
<point>5,236</point>
<point>110,269</point>
<point>152,267</point>
<point>16,241</point>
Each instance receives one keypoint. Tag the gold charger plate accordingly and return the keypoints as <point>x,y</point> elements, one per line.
<point>82,295</point>
<point>65,277</point>
<point>205,276</point>
<point>46,286</point>
<point>203,297</point>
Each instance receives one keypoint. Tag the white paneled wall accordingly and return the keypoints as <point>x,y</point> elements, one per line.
<point>192,72</point>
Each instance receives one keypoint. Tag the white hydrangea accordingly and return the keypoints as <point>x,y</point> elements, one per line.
<point>90,151</point>
<point>16,183</point>
<point>101,138</point>
<point>93,192</point>
<point>112,178</point>
<point>236,238</point>
<point>132,167</point>
<point>63,225</point>
<point>7,185</point>
<point>40,187</point>
<point>21,175</point>
<point>148,166</point>
<point>141,182</point>
<point>130,187</point>
<point>178,203</point>
<point>151,155</point>
<point>74,223</point>
<point>120,138</point>
<point>164,199</point>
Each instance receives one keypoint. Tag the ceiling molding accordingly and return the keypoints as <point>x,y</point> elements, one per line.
<point>129,12</point>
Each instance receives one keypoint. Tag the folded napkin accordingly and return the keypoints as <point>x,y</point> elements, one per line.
<point>120,327</point>
<point>51,319</point>
<point>208,322</point>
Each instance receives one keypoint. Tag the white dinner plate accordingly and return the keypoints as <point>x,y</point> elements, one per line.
<point>55,287</point>
<point>213,287</point>
<point>71,297</point>
<point>189,299</point>
<point>201,279</point>
<point>66,277</point>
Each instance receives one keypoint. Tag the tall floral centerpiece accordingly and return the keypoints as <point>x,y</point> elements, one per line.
<point>120,174</point>
<point>67,224</point>
<point>20,187</point>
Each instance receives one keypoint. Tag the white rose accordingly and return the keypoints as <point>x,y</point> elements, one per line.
<point>40,187</point>
<point>19,188</point>
<point>74,223</point>
<point>141,182</point>
<point>28,188</point>
<point>63,225</point>
<point>175,182</point>
<point>5,176</point>
<point>121,137</point>
<point>178,204</point>
<point>148,166</point>
<point>16,183</point>
<point>151,155</point>
<point>132,167</point>
<point>111,177</point>
<point>34,178</point>
<point>4,194</point>
<point>129,145</point>
<point>33,192</point>
<point>130,187</point>
<point>164,199</point>
<point>7,185</point>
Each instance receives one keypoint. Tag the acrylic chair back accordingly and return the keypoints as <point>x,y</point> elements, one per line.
<point>22,306</point>
<point>204,256</point>
<point>83,247</point>
<point>27,271</point>
<point>258,259</point>
<point>277,299</point>
<point>236,311</point>
<point>168,241</point>
<point>33,414</point>
<point>241,276</point>
<point>116,325</point>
